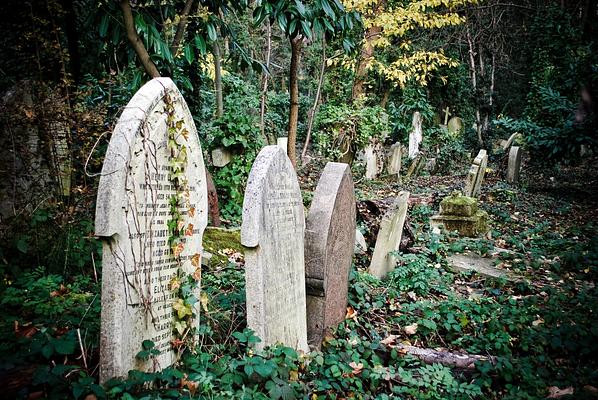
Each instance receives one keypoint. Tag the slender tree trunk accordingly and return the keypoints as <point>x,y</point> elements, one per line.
<point>218,79</point>
<point>296,45</point>
<point>367,52</point>
<point>135,41</point>
<point>474,84</point>
<point>265,76</point>
<point>180,29</point>
<point>312,111</point>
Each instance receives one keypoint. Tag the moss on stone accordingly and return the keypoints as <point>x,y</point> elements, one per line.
<point>466,226</point>
<point>215,240</point>
<point>457,204</point>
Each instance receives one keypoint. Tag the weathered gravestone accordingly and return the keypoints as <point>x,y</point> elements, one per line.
<point>272,233</point>
<point>389,236</point>
<point>221,157</point>
<point>329,245</point>
<point>461,214</point>
<point>455,126</point>
<point>154,156</point>
<point>394,161</point>
<point>283,143</point>
<point>416,135</point>
<point>475,176</point>
<point>514,165</point>
<point>371,162</point>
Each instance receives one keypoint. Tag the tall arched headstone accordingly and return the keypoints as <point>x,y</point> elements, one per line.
<point>139,178</point>
<point>329,245</point>
<point>272,233</point>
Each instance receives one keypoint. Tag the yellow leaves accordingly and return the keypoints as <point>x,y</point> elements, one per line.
<point>182,309</point>
<point>203,299</point>
<point>177,249</point>
<point>197,274</point>
<point>191,212</point>
<point>189,230</point>
<point>196,260</point>
<point>175,283</point>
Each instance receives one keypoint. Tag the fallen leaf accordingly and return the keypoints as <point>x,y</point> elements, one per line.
<point>351,313</point>
<point>293,376</point>
<point>189,230</point>
<point>390,340</point>
<point>196,260</point>
<point>410,329</point>
<point>357,368</point>
<point>412,296</point>
<point>537,322</point>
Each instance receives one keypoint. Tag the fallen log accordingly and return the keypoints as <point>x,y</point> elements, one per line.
<point>440,356</point>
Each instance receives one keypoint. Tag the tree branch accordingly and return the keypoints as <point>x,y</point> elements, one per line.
<point>136,42</point>
<point>180,29</point>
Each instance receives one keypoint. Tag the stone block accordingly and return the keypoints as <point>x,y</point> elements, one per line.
<point>458,205</point>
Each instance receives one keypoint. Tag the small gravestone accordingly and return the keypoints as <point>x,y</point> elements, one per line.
<point>154,156</point>
<point>361,245</point>
<point>283,143</point>
<point>221,157</point>
<point>514,165</point>
<point>272,233</point>
<point>394,161</point>
<point>455,126</point>
<point>460,213</point>
<point>389,236</point>
<point>475,176</point>
<point>416,135</point>
<point>371,162</point>
<point>329,244</point>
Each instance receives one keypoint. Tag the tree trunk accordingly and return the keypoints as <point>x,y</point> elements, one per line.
<point>312,111</point>
<point>367,52</point>
<point>218,79</point>
<point>180,29</point>
<point>296,44</point>
<point>265,75</point>
<point>135,41</point>
<point>472,70</point>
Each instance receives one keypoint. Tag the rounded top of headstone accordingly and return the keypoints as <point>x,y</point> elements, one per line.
<point>272,160</point>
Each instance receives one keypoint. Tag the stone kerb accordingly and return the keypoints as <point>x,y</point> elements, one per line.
<point>132,214</point>
<point>272,233</point>
<point>329,245</point>
<point>389,236</point>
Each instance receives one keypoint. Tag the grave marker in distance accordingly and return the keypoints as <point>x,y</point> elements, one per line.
<point>514,165</point>
<point>272,233</point>
<point>329,245</point>
<point>132,215</point>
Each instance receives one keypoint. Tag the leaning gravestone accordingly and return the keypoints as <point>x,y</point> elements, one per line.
<point>154,156</point>
<point>416,135</point>
<point>394,161</point>
<point>389,236</point>
<point>329,245</point>
<point>514,165</point>
<point>475,176</point>
<point>272,233</point>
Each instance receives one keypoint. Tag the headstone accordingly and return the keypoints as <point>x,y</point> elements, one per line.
<point>394,161</point>
<point>389,236</point>
<point>133,213</point>
<point>475,176</point>
<point>283,142</point>
<point>455,126</point>
<point>329,244</point>
<point>514,165</point>
<point>460,213</point>
<point>431,165</point>
<point>416,135</point>
<point>221,157</point>
<point>371,162</point>
<point>272,233</point>
<point>361,245</point>
<point>509,142</point>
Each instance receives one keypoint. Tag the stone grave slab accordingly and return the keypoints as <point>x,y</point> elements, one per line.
<point>514,165</point>
<point>272,233</point>
<point>481,265</point>
<point>329,245</point>
<point>132,216</point>
<point>389,236</point>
